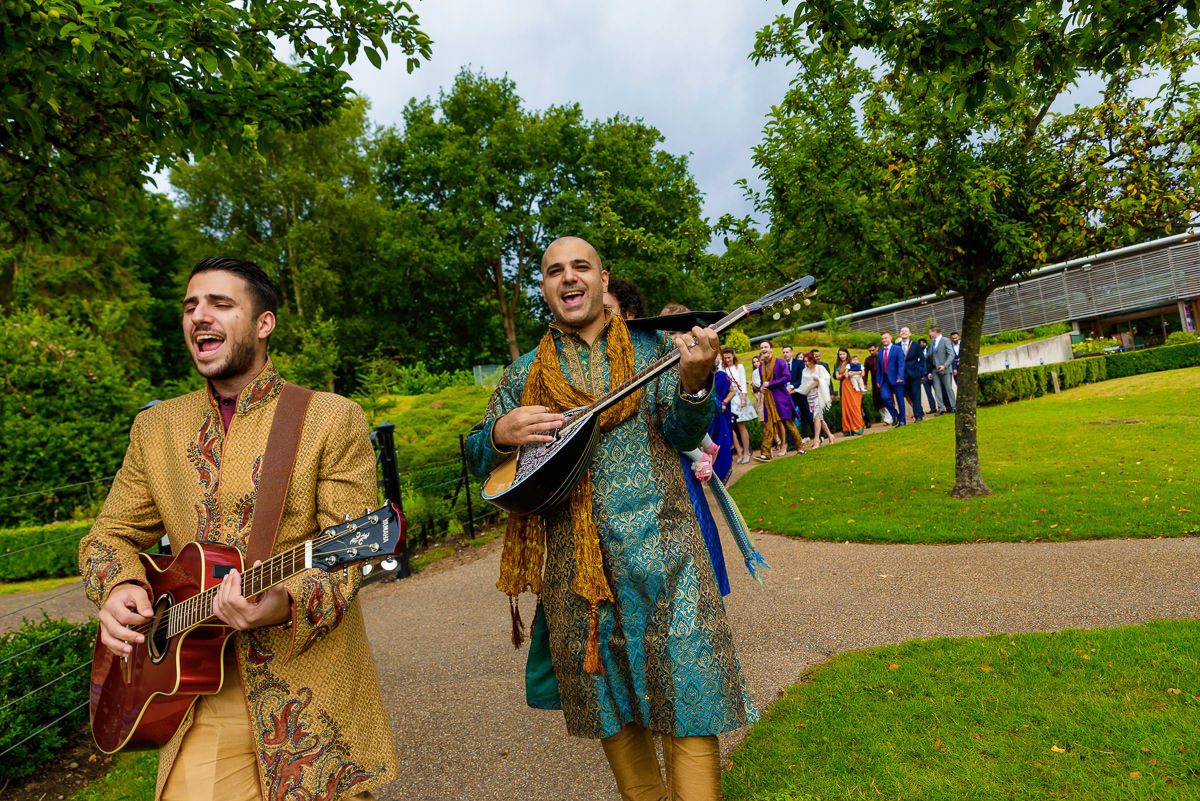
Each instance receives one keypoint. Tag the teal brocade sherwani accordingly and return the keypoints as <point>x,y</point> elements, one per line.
<point>666,645</point>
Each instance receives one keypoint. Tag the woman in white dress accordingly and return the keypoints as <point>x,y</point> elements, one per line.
<point>815,383</point>
<point>741,406</point>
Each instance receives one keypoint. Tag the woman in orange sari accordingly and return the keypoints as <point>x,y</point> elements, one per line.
<point>851,392</point>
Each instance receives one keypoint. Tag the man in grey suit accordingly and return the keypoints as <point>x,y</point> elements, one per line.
<point>940,358</point>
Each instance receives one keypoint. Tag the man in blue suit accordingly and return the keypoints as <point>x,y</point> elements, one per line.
<point>889,375</point>
<point>914,368</point>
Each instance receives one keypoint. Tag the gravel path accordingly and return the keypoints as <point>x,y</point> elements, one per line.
<point>455,686</point>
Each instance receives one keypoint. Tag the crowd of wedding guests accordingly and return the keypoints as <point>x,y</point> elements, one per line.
<point>793,394</point>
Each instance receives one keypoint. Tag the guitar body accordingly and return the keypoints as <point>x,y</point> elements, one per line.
<point>542,474</point>
<point>141,702</point>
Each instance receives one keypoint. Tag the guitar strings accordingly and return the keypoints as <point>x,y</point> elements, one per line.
<point>173,614</point>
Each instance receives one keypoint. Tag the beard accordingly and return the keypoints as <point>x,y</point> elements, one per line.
<point>238,361</point>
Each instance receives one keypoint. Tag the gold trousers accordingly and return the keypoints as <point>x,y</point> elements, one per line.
<point>693,766</point>
<point>216,758</point>
<point>780,430</point>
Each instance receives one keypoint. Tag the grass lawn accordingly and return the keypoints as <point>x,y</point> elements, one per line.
<point>132,778</point>
<point>1103,714</point>
<point>1113,459</point>
<point>35,585</point>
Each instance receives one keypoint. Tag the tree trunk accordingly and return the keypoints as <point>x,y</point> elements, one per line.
<point>508,310</point>
<point>968,481</point>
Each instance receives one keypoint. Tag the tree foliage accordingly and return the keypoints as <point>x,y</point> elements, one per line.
<point>893,170</point>
<point>482,185</point>
<point>96,95</point>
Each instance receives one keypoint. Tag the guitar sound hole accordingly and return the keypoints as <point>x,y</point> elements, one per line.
<point>158,639</point>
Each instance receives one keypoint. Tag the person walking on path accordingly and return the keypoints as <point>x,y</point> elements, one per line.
<point>778,413</point>
<point>299,713</point>
<point>815,383</point>
<point>889,372</point>
<point>633,620</point>
<point>941,368</point>
<point>852,396</point>
<point>741,405</point>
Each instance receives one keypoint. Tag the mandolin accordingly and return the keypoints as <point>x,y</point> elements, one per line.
<point>542,474</point>
<point>140,701</point>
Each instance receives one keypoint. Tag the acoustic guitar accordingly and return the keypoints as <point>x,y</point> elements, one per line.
<point>140,701</point>
<point>542,474</point>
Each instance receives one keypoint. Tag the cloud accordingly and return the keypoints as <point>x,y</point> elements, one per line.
<point>681,67</point>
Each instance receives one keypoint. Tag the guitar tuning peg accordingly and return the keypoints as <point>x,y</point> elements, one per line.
<point>366,510</point>
<point>797,305</point>
<point>775,316</point>
<point>807,302</point>
<point>346,518</point>
<point>787,310</point>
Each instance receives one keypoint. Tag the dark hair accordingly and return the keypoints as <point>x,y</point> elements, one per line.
<point>262,291</point>
<point>731,352</point>
<point>955,334</point>
<point>767,341</point>
<point>628,295</point>
<point>922,341</point>
<point>933,328</point>
<point>839,355</point>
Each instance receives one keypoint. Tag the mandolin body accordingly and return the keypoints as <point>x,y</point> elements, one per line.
<point>541,475</point>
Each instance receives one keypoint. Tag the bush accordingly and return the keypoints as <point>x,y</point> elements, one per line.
<point>1033,382</point>
<point>1091,347</point>
<point>1023,335</point>
<point>384,376</point>
<point>1182,337</point>
<point>1152,360</point>
<point>44,672</point>
<point>856,339</point>
<point>65,410</point>
<point>41,551</point>
<point>735,338</point>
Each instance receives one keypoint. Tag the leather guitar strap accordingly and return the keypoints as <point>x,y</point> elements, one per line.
<point>279,458</point>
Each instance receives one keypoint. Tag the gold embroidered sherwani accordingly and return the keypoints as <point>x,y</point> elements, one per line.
<point>312,693</point>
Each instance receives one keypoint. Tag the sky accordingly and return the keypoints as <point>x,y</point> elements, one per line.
<point>681,67</point>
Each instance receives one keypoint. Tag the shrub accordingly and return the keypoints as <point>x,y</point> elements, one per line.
<point>1023,335</point>
<point>41,551</point>
<point>384,376</point>
<point>1182,337</point>
<point>44,672</point>
<point>856,339</point>
<point>1091,347</point>
<point>735,338</point>
<point>65,410</point>
<point>1152,360</point>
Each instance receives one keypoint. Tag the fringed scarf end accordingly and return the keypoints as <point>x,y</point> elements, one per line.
<point>518,627</point>
<point>591,660</point>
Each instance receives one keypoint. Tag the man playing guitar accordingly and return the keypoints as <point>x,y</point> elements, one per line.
<point>299,712</point>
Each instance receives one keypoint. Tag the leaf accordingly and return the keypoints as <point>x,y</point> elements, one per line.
<point>1173,690</point>
<point>374,57</point>
<point>986,668</point>
<point>1058,750</point>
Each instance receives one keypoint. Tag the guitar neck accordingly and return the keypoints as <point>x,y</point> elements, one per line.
<point>197,610</point>
<point>653,371</point>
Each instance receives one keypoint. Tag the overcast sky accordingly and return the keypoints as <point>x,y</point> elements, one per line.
<point>681,67</point>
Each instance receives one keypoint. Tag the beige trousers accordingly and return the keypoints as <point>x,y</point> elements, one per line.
<point>216,759</point>
<point>693,766</point>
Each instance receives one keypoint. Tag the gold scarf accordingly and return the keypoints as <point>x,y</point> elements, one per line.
<point>770,413</point>
<point>525,536</point>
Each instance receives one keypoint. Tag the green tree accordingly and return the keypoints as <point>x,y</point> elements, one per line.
<point>305,207</point>
<point>97,95</point>
<point>480,186</point>
<point>907,174</point>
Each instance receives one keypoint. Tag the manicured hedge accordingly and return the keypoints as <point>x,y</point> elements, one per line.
<point>1032,382</point>
<point>44,671</point>
<point>41,551</point>
<point>1152,360</point>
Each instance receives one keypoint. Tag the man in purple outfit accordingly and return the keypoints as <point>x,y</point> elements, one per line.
<point>778,410</point>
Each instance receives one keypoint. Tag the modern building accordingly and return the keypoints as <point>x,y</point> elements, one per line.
<point>1137,294</point>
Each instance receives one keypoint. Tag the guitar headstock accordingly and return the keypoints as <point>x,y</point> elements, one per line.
<point>786,299</point>
<point>375,536</point>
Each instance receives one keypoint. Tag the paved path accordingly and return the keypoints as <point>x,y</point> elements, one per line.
<point>455,685</point>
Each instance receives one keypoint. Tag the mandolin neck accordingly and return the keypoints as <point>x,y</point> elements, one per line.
<point>653,371</point>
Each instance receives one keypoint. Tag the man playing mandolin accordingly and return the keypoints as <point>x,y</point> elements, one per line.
<point>299,713</point>
<point>636,627</point>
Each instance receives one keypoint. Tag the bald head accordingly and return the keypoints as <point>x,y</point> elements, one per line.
<point>571,247</point>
